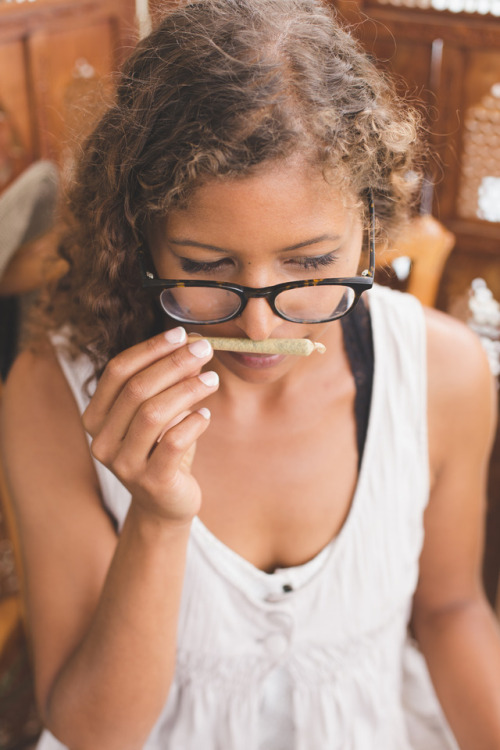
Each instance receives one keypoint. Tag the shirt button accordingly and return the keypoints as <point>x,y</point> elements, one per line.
<point>276,644</point>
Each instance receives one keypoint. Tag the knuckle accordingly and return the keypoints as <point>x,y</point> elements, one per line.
<point>193,386</point>
<point>155,346</point>
<point>174,442</point>
<point>134,390</point>
<point>116,368</point>
<point>99,450</point>
<point>178,359</point>
<point>151,414</point>
<point>121,467</point>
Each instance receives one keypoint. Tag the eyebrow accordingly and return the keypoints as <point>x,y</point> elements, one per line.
<point>290,248</point>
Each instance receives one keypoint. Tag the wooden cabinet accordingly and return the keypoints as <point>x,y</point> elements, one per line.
<point>450,63</point>
<point>56,65</point>
<point>16,136</point>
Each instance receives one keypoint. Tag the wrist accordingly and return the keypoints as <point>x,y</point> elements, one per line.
<point>153,524</point>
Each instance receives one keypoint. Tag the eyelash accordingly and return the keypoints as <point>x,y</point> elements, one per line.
<point>306,263</point>
<point>316,262</point>
<point>195,266</point>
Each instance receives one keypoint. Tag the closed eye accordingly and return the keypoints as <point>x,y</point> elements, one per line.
<point>196,266</point>
<point>307,263</point>
<point>313,262</point>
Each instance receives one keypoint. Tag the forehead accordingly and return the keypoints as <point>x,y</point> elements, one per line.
<point>287,198</point>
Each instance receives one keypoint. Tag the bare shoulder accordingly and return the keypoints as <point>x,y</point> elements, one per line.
<point>451,342</point>
<point>40,419</point>
<point>35,379</point>
<point>461,388</point>
<point>34,375</point>
<point>29,373</point>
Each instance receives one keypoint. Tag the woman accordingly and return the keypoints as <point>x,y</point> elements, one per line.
<point>257,593</point>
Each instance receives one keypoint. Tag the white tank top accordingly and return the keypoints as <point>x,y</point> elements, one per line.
<point>315,657</point>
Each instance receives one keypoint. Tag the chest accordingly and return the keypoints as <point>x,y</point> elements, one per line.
<point>278,495</point>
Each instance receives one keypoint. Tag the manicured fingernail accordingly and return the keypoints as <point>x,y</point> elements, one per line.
<point>210,378</point>
<point>200,349</point>
<point>175,335</point>
<point>204,412</point>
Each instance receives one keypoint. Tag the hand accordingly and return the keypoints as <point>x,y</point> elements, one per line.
<point>142,425</point>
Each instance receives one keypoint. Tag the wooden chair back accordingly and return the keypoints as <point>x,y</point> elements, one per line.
<point>427,243</point>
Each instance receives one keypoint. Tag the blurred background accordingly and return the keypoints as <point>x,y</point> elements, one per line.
<point>57,64</point>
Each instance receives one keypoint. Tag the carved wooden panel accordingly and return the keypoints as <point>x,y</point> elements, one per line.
<point>479,195</point>
<point>16,140</point>
<point>454,61</point>
<point>71,82</point>
<point>54,56</point>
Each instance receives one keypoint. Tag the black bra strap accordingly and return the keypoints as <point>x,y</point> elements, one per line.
<point>358,343</point>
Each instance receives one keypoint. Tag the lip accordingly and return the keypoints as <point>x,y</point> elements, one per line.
<point>257,361</point>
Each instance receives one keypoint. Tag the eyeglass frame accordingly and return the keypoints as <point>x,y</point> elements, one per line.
<point>358,284</point>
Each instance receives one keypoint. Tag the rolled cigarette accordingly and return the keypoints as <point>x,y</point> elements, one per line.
<point>299,347</point>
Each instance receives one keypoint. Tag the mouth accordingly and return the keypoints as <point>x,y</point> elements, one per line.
<point>256,361</point>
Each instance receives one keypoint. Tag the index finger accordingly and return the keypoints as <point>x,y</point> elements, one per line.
<point>126,364</point>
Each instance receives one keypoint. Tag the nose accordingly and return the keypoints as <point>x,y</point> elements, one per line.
<point>258,321</point>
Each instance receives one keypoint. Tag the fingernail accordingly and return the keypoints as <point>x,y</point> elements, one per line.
<point>175,335</point>
<point>200,349</point>
<point>210,378</point>
<point>204,412</point>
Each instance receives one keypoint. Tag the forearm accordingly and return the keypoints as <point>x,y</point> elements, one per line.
<point>111,691</point>
<point>462,649</point>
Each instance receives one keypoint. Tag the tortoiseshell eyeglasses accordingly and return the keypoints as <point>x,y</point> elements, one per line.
<point>308,301</point>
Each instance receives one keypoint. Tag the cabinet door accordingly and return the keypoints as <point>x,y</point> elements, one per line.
<point>71,71</point>
<point>479,187</point>
<point>16,139</point>
<point>416,65</point>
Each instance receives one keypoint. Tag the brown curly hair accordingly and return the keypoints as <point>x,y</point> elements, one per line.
<point>219,88</point>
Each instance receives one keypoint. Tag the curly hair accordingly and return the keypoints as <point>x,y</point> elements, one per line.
<point>218,89</point>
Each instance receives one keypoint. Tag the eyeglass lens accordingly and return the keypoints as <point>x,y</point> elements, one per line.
<point>315,303</point>
<point>304,304</point>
